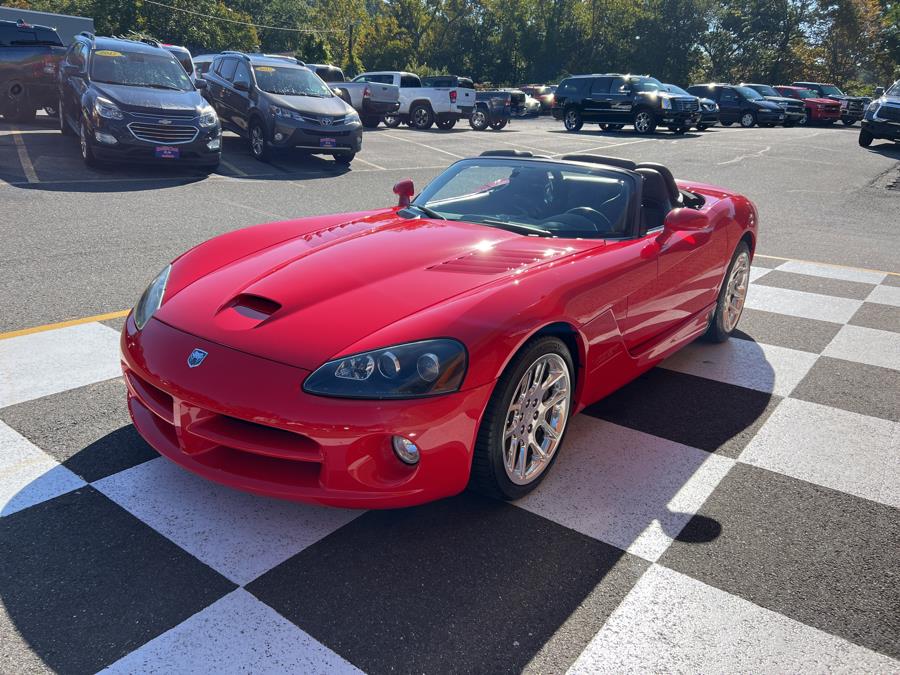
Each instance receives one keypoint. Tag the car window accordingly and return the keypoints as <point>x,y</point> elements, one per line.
<point>30,35</point>
<point>290,81</point>
<point>749,93</point>
<point>77,55</point>
<point>571,86</point>
<point>184,58</point>
<point>618,85</point>
<point>532,198</point>
<point>765,90</point>
<point>241,74</point>
<point>728,96</point>
<point>408,81</point>
<point>329,74</point>
<point>202,67</point>
<point>226,68</point>
<point>600,85</point>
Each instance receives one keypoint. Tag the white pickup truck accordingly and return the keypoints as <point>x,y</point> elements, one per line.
<point>372,100</point>
<point>442,100</point>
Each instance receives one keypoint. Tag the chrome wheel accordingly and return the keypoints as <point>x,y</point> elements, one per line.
<point>804,120</point>
<point>479,119</point>
<point>421,117</point>
<point>642,122</point>
<point>536,418</point>
<point>572,119</point>
<point>82,137</point>
<point>747,120</point>
<point>257,142</point>
<point>736,291</point>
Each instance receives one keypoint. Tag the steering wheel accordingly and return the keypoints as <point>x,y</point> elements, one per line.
<point>602,223</point>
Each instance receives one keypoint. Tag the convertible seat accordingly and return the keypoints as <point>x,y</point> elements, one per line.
<point>668,178</point>
<point>656,198</point>
<point>601,159</point>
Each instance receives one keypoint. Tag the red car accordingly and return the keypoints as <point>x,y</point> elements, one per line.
<point>392,357</point>
<point>818,110</point>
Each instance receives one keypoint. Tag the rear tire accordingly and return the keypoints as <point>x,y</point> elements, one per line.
<point>804,120</point>
<point>446,124</point>
<point>726,124</point>
<point>371,121</point>
<point>491,474</point>
<point>865,138</point>
<point>732,296</point>
<point>702,127</point>
<point>497,126</point>
<point>421,116</point>
<point>849,123</point>
<point>392,121</point>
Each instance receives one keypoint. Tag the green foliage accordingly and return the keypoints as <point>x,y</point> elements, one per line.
<point>507,42</point>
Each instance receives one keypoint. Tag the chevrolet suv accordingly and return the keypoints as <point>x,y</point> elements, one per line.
<point>132,101</point>
<point>614,100</point>
<point>279,103</point>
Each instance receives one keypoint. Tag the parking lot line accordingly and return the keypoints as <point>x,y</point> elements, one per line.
<point>422,145</point>
<point>24,159</point>
<point>64,324</point>
<point>372,164</point>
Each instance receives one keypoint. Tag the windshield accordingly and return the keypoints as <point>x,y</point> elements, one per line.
<point>894,89</point>
<point>672,89</point>
<point>531,198</point>
<point>646,84</point>
<point>136,69</point>
<point>288,81</point>
<point>750,94</point>
<point>765,90</point>
<point>831,90</point>
<point>802,93</point>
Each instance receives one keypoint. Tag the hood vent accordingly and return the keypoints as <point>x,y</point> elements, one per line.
<point>335,232</point>
<point>246,311</point>
<point>496,261</point>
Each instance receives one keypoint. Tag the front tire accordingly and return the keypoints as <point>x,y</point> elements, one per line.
<point>87,152</point>
<point>479,120</point>
<point>848,122</point>
<point>259,144</point>
<point>748,120</point>
<point>572,120</point>
<point>64,127</point>
<point>702,127</point>
<point>644,122</point>
<point>525,421</point>
<point>371,121</point>
<point>344,158</point>
<point>865,138</point>
<point>804,120</point>
<point>446,124</point>
<point>732,296</point>
<point>497,126</point>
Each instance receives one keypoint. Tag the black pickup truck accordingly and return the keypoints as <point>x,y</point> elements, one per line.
<point>29,68</point>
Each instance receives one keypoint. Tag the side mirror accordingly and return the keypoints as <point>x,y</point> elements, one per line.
<point>71,70</point>
<point>879,92</point>
<point>200,83</point>
<point>404,189</point>
<point>685,220</point>
<point>242,86</point>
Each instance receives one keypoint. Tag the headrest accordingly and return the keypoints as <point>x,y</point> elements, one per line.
<point>655,190</point>
<point>506,153</point>
<point>671,186</point>
<point>600,159</point>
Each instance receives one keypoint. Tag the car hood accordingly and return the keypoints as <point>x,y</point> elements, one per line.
<point>147,100</point>
<point>333,105</point>
<point>303,301</point>
<point>765,103</point>
<point>821,101</point>
<point>782,99</point>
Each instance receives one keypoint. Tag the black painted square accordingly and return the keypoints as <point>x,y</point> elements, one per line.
<point>815,284</point>
<point>857,387</point>
<point>781,330</point>
<point>880,317</point>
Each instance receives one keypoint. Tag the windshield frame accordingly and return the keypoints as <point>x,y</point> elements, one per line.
<point>829,90</point>
<point>151,85</point>
<point>678,91</point>
<point>766,87</point>
<point>749,93</point>
<point>630,213</point>
<point>327,92</point>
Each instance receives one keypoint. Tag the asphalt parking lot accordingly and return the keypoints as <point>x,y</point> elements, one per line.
<point>736,509</point>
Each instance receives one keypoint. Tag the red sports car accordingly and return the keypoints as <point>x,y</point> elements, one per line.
<point>392,357</point>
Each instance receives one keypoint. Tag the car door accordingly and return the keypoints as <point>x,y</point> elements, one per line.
<point>595,105</point>
<point>74,85</point>
<point>729,105</point>
<point>220,89</point>
<point>239,95</point>
<point>621,101</point>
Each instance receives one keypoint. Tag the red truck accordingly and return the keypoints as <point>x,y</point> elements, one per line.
<point>818,110</point>
<point>29,69</point>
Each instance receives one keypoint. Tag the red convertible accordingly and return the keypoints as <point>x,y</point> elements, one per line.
<point>392,357</point>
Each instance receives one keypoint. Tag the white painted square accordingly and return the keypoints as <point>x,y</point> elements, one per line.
<point>745,363</point>
<point>671,623</point>
<point>843,450</point>
<point>885,295</point>
<point>238,534</point>
<point>40,364</point>
<point>831,272</point>
<point>28,475</point>
<point>802,304</point>
<point>624,487</point>
<point>866,345</point>
<point>236,634</point>
<point>757,272</point>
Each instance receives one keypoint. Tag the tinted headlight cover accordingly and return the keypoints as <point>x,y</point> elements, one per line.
<point>151,299</point>
<point>411,370</point>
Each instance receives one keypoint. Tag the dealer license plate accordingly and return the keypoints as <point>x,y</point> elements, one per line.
<point>327,142</point>
<point>167,152</point>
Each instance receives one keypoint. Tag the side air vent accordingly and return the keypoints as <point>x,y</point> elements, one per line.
<point>254,307</point>
<point>493,262</point>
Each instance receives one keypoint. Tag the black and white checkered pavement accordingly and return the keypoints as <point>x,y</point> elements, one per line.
<point>735,510</point>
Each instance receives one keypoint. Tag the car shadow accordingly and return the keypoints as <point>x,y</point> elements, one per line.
<point>602,515</point>
<point>885,148</point>
<point>626,133</point>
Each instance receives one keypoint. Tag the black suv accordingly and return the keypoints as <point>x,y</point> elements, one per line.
<point>129,100</point>
<point>616,100</point>
<point>794,108</point>
<point>882,118</point>
<point>740,104</point>
<point>279,103</point>
<point>852,107</point>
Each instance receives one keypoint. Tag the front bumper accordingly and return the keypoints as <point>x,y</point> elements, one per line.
<point>824,114</point>
<point>767,116</point>
<point>886,130</point>
<point>336,139</point>
<point>245,422</point>
<point>129,148</point>
<point>678,118</point>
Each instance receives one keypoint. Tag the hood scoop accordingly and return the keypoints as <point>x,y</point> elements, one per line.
<point>496,261</point>
<point>246,311</point>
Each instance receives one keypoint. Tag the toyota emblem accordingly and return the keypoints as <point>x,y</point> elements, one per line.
<point>325,121</point>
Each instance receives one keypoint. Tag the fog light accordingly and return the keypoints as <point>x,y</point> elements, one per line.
<point>406,451</point>
<point>109,139</point>
<point>279,136</point>
<point>214,144</point>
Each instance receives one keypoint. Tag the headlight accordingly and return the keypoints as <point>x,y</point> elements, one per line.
<point>106,108</point>
<point>208,117</point>
<point>352,118</point>
<point>151,299</point>
<point>874,106</point>
<point>412,370</point>
<point>665,103</point>
<point>285,112</point>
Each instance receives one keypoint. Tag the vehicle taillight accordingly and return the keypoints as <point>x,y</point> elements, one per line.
<point>367,93</point>
<point>453,96</point>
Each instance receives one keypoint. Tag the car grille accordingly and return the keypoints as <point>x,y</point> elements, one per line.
<point>889,112</point>
<point>168,134</point>
<point>796,108</point>
<point>685,105</point>
<point>855,106</point>
<point>324,120</point>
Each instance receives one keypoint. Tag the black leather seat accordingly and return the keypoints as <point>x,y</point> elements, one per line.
<point>656,198</point>
<point>600,159</point>
<point>671,185</point>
